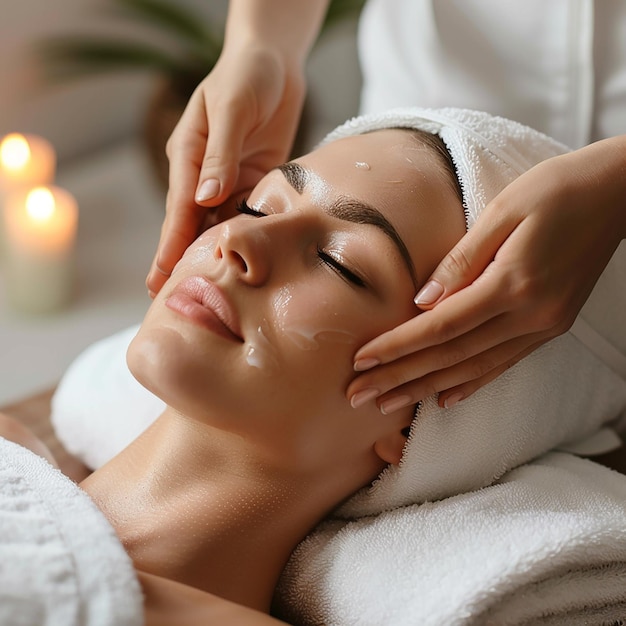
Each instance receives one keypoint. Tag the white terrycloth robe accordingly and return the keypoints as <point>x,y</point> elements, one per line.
<point>61,563</point>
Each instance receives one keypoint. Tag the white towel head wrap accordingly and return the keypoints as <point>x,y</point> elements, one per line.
<point>558,396</point>
<point>488,152</point>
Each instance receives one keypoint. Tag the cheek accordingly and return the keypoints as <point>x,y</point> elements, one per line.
<point>200,252</point>
<point>315,315</point>
<point>306,323</point>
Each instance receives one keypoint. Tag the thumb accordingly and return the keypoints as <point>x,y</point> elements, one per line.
<point>462,265</point>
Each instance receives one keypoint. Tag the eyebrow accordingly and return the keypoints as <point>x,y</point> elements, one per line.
<point>351,210</point>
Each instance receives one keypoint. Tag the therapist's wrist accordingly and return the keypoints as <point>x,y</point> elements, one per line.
<point>601,166</point>
<point>283,28</point>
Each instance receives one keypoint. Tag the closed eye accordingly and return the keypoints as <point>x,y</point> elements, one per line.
<point>348,275</point>
<point>244,208</point>
<point>342,270</point>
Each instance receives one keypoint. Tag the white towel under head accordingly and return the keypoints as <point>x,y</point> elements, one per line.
<point>544,545</point>
<point>559,396</point>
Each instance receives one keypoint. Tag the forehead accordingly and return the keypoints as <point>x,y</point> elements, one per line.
<point>404,179</point>
<point>393,158</point>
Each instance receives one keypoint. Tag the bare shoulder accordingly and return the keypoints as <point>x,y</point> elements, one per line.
<point>168,602</point>
<point>13,430</point>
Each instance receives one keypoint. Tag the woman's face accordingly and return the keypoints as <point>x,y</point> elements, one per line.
<point>256,329</point>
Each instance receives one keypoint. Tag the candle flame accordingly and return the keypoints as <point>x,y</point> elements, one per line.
<point>40,204</point>
<point>14,151</point>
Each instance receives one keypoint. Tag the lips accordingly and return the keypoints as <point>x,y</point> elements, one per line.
<point>204,303</point>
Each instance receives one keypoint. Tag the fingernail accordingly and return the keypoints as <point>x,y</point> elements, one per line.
<point>361,397</point>
<point>151,294</point>
<point>450,401</point>
<point>389,406</point>
<point>208,189</point>
<point>360,365</point>
<point>429,293</point>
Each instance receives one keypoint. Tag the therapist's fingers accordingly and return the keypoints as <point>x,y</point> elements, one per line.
<point>449,397</point>
<point>183,217</point>
<point>462,378</point>
<point>454,317</point>
<point>419,364</point>
<point>459,308</point>
<point>219,171</point>
<point>178,230</point>
<point>468,259</point>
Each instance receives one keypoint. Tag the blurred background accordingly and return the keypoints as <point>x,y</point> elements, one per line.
<point>107,129</point>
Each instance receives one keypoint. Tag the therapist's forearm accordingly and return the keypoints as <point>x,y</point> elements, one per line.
<point>287,27</point>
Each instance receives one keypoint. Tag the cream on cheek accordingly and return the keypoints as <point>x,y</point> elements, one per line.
<point>260,353</point>
<point>299,319</point>
<point>303,317</point>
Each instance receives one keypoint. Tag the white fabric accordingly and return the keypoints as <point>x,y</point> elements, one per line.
<point>558,396</point>
<point>61,563</point>
<point>545,545</point>
<point>557,66</point>
<point>602,348</point>
<point>488,151</point>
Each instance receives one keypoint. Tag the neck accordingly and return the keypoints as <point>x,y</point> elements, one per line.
<point>199,506</point>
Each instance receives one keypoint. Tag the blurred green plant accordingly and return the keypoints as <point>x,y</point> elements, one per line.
<point>184,48</point>
<point>179,46</point>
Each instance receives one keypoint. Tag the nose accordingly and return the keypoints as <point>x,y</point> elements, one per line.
<point>245,247</point>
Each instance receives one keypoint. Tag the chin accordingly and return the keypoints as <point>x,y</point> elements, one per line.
<point>161,361</point>
<point>148,361</point>
<point>169,363</point>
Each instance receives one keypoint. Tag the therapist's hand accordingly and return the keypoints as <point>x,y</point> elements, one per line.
<point>239,123</point>
<point>515,281</point>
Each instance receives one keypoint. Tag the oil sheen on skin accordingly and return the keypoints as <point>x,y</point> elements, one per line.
<point>299,328</point>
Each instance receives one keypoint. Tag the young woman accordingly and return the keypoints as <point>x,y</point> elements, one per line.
<point>250,344</point>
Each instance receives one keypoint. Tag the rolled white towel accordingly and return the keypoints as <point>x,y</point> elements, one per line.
<point>546,544</point>
<point>98,407</point>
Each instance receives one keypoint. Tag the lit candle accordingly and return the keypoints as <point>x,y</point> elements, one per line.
<point>40,229</point>
<point>25,161</point>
